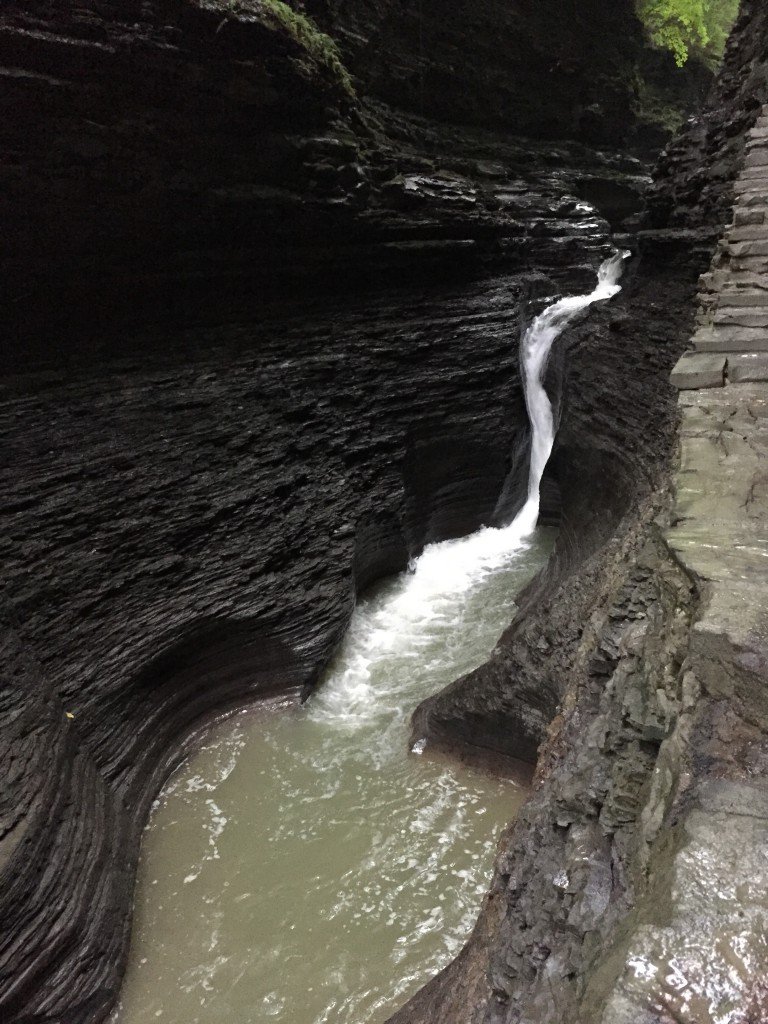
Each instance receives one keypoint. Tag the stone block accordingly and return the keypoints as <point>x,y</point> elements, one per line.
<point>699,370</point>
<point>730,339</point>
<point>748,366</point>
<point>742,299</point>
<point>735,317</point>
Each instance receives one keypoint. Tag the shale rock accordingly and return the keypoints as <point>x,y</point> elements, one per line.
<point>202,468</point>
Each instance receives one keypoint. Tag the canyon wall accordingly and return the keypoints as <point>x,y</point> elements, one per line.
<point>263,349</point>
<point>172,155</point>
<point>631,887</point>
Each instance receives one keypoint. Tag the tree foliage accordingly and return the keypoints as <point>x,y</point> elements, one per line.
<point>688,27</point>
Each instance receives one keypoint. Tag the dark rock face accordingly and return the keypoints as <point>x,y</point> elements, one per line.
<point>177,153</point>
<point>538,68</point>
<point>187,515</point>
<point>186,525</point>
<point>162,560</point>
<point>198,477</point>
<point>146,143</point>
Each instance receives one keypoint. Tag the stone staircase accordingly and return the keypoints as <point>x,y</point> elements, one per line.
<point>731,343</point>
<point>719,535</point>
<point>721,485</point>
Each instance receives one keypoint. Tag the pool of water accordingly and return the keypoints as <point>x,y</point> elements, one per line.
<point>304,866</point>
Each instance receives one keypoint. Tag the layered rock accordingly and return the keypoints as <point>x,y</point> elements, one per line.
<point>202,468</point>
<point>539,69</point>
<point>189,511</point>
<point>631,887</point>
<point>175,154</point>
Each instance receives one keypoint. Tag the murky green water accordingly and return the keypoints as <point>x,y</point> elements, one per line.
<point>303,866</point>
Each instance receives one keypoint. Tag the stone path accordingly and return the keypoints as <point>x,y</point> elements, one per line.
<point>710,932</point>
<point>721,486</point>
<point>731,343</point>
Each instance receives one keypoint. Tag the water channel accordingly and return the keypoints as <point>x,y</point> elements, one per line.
<point>303,866</point>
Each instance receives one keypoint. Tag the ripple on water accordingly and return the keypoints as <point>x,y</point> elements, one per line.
<point>302,865</point>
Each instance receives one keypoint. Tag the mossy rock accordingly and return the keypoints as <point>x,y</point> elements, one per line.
<point>320,50</point>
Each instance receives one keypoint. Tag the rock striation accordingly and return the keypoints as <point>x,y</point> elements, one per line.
<point>201,466</point>
<point>263,351</point>
<point>537,69</point>
<point>176,155</point>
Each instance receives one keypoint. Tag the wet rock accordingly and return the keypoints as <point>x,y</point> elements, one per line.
<point>699,371</point>
<point>201,468</point>
<point>651,699</point>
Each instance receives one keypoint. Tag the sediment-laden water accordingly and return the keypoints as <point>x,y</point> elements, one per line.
<point>303,866</point>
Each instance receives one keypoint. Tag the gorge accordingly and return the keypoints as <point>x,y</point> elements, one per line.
<point>264,268</point>
<point>387,831</point>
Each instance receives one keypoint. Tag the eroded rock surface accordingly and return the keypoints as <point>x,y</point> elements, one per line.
<point>194,489</point>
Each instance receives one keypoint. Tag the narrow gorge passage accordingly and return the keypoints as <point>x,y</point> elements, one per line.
<point>301,866</point>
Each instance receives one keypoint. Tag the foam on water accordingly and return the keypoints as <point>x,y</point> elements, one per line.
<point>446,573</point>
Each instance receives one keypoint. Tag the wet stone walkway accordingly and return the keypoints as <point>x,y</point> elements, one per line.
<point>722,483</point>
<point>697,949</point>
<point>731,343</point>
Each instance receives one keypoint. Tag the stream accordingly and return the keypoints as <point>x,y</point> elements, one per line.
<point>302,865</point>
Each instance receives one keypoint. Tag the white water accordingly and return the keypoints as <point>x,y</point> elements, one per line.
<point>300,866</point>
<point>535,348</point>
<point>446,570</point>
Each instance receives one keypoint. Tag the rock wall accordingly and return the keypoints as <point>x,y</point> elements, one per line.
<point>171,155</point>
<point>630,889</point>
<point>183,533</point>
<point>537,68</point>
<point>202,468</point>
<point>195,489</point>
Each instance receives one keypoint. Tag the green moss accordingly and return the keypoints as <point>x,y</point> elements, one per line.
<point>321,51</point>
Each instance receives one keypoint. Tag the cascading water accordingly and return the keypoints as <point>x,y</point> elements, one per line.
<point>535,348</point>
<point>301,866</point>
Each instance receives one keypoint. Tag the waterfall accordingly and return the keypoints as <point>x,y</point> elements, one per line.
<point>535,346</point>
<point>422,604</point>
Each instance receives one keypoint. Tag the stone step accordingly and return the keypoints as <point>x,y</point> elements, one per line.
<point>724,278</point>
<point>741,299</point>
<point>708,339</point>
<point>754,174</point>
<point>750,217</point>
<point>750,264</point>
<point>749,199</point>
<point>750,189</point>
<point>735,316</point>
<point>747,232</point>
<point>698,370</point>
<point>757,157</point>
<point>755,247</point>
<point>751,366</point>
